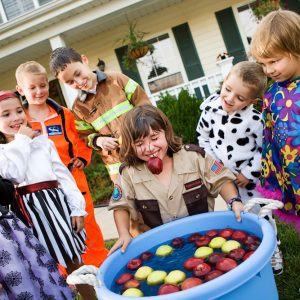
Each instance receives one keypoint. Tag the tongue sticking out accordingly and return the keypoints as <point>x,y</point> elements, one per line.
<point>155,165</point>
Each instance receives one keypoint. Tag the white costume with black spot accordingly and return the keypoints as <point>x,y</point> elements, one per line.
<point>234,139</point>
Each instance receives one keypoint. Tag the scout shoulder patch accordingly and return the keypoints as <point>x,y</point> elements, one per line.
<point>217,167</point>
<point>117,193</point>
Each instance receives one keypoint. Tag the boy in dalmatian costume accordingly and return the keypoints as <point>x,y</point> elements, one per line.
<point>230,129</point>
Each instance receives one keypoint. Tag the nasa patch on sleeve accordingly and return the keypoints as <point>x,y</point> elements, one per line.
<point>117,193</point>
<point>54,130</point>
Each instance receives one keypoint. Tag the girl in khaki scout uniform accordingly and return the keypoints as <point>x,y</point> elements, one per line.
<point>181,189</point>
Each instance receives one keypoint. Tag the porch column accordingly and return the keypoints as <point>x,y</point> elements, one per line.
<point>69,93</point>
<point>225,65</point>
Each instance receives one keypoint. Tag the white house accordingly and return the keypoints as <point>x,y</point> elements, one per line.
<point>187,34</point>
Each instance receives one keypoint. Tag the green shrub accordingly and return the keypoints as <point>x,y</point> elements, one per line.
<point>183,113</point>
<point>101,186</point>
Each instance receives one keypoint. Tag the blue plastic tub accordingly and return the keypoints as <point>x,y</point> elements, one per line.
<point>253,279</point>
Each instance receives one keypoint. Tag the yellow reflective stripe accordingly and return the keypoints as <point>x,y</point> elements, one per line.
<point>130,88</point>
<point>90,141</point>
<point>81,125</point>
<point>112,114</point>
<point>113,168</point>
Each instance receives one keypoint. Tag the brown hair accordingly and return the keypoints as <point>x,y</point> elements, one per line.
<point>29,67</point>
<point>137,124</point>
<point>61,57</point>
<point>4,95</point>
<point>252,75</point>
<point>278,32</point>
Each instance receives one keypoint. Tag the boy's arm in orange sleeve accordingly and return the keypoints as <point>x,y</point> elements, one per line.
<point>81,150</point>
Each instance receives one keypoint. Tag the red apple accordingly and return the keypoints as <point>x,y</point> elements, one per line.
<point>190,282</point>
<point>213,274</point>
<point>226,264</point>
<point>239,235</point>
<point>247,255</point>
<point>201,269</point>
<point>215,257</point>
<point>123,278</point>
<point>237,254</point>
<point>146,255</point>
<point>202,241</point>
<point>132,283</point>
<point>177,242</point>
<point>192,262</point>
<point>226,233</point>
<point>134,263</point>
<point>193,237</point>
<point>252,242</point>
<point>168,289</point>
<point>155,165</point>
<point>212,233</point>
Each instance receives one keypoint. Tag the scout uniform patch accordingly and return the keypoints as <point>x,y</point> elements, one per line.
<point>117,193</point>
<point>217,167</point>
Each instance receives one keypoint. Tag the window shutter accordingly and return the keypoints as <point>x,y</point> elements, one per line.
<point>188,52</point>
<point>132,74</point>
<point>231,34</point>
<point>293,5</point>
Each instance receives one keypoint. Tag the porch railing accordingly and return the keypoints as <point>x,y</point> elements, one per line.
<point>201,87</point>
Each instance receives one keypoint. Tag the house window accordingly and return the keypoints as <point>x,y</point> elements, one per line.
<point>248,20</point>
<point>15,8</point>
<point>161,69</point>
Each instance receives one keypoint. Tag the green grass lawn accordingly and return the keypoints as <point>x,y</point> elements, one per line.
<point>288,283</point>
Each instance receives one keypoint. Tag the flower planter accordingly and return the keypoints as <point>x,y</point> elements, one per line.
<point>139,52</point>
<point>253,279</point>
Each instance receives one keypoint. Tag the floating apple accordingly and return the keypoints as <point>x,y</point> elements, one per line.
<point>213,274</point>
<point>133,292</point>
<point>201,269</point>
<point>192,238</point>
<point>203,252</point>
<point>226,233</point>
<point>134,263</point>
<point>146,255</point>
<point>156,277</point>
<point>202,241</point>
<point>190,282</point>
<point>239,235</point>
<point>164,250</point>
<point>177,242</point>
<point>226,264</point>
<point>132,283</point>
<point>230,245</point>
<point>168,289</point>
<point>192,262</point>
<point>175,277</point>
<point>217,242</point>
<point>123,278</point>
<point>237,254</point>
<point>142,273</point>
<point>215,257</point>
<point>212,233</point>
<point>247,255</point>
<point>155,165</point>
<point>252,243</point>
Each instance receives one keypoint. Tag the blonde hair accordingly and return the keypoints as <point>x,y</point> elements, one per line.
<point>277,33</point>
<point>137,124</point>
<point>29,67</point>
<point>252,75</point>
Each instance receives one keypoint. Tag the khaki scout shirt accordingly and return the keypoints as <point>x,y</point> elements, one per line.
<point>193,175</point>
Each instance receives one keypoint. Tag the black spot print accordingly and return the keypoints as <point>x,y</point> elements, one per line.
<point>221,134</point>
<point>242,141</point>
<point>229,148</point>
<point>236,120</point>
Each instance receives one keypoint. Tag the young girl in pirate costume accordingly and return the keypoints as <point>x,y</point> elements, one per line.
<point>48,196</point>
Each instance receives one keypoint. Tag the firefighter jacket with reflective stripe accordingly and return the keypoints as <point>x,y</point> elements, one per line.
<point>101,114</point>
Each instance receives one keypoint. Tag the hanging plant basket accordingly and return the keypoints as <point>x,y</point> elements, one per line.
<point>139,52</point>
